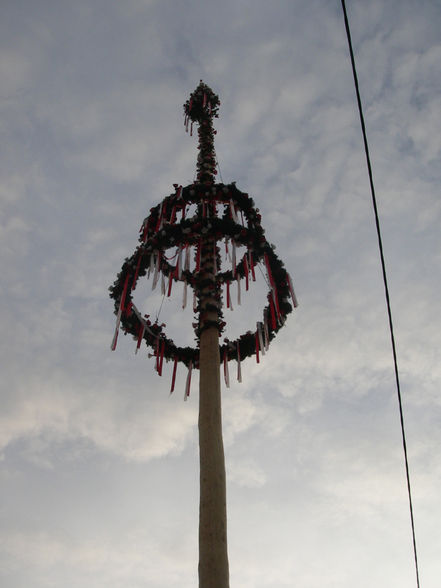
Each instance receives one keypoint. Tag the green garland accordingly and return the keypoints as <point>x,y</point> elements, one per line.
<point>161,230</point>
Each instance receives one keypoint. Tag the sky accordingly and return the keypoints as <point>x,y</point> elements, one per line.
<point>98,462</point>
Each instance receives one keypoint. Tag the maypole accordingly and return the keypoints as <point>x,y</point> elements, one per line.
<point>224,213</point>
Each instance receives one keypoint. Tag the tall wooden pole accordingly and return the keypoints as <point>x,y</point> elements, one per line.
<point>213,556</point>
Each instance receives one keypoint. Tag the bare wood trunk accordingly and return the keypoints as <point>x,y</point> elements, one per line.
<point>213,556</point>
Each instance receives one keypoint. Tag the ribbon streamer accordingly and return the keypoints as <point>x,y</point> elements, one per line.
<point>135,277</point>
<point>247,271</point>
<point>291,289</point>
<point>259,331</point>
<point>257,348</point>
<point>226,372</point>
<point>187,258</point>
<point>239,369</point>
<point>156,275</point>
<point>265,330</point>
<point>229,303</point>
<point>175,365</point>
<point>140,337</point>
<point>253,275</point>
<point>115,335</point>
<point>238,291</point>
<point>188,382</point>
<point>124,293</point>
<point>161,357</point>
<point>170,283</point>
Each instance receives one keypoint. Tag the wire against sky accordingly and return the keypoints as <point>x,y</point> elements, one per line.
<point>386,288</point>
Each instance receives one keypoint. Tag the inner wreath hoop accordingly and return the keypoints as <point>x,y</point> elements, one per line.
<point>226,213</point>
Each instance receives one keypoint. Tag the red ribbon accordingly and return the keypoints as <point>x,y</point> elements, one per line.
<point>157,355</point>
<point>175,365</point>
<point>228,295</point>
<point>170,282</point>
<point>161,358</point>
<point>257,348</point>
<point>273,313</point>
<point>123,296</point>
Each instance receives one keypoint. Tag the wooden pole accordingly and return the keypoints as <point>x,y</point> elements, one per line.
<point>213,556</point>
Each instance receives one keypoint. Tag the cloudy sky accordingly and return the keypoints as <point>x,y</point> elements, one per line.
<point>98,463</point>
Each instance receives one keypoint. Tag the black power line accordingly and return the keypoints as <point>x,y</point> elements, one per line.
<point>386,289</point>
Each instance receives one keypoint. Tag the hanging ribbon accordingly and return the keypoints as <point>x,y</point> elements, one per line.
<point>151,265</point>
<point>233,211</point>
<point>273,313</point>
<point>115,335</point>
<point>257,348</point>
<point>259,331</point>
<point>188,382</point>
<point>140,337</point>
<point>226,373</point>
<point>162,284</point>
<point>247,271</point>
<point>276,302</point>
<point>253,275</point>
<point>173,215</point>
<point>170,283</point>
<point>238,291</point>
<point>187,258</point>
<point>124,293</point>
<point>157,355</point>
<point>157,265</point>
<point>227,253</point>
<point>135,277</point>
<point>265,330</point>
<point>239,369</point>
<point>175,365</point>
<point>229,304</point>
<point>161,357</point>
<point>145,229</point>
<point>177,269</point>
<point>291,289</point>
<point>269,272</point>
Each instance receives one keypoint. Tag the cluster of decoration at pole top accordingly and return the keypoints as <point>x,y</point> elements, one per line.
<point>224,215</point>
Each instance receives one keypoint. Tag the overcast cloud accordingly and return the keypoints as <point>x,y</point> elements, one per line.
<point>98,464</point>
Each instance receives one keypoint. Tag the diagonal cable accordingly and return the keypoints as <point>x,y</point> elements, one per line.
<point>386,289</point>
